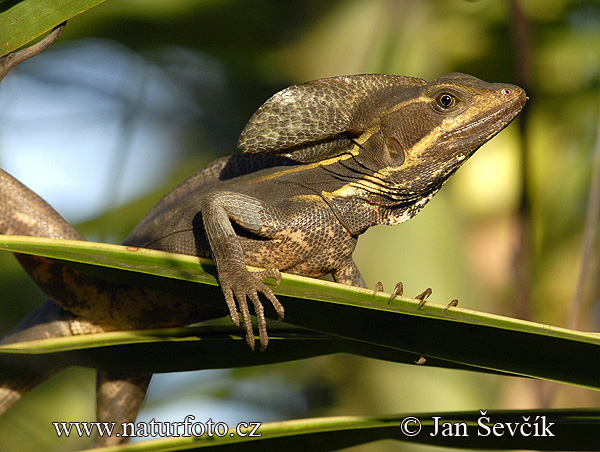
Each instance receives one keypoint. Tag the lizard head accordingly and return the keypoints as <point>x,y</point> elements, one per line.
<point>389,140</point>
<point>426,134</point>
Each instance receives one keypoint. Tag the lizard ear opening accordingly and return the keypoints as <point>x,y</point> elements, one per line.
<point>395,151</point>
<point>321,111</point>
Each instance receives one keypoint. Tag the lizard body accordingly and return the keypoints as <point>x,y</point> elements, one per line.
<point>322,162</point>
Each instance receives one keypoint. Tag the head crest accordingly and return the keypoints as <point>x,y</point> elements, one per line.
<point>318,112</point>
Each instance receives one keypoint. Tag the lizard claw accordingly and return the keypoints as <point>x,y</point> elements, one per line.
<point>378,288</point>
<point>423,297</point>
<point>398,291</point>
<point>452,304</point>
<point>247,287</point>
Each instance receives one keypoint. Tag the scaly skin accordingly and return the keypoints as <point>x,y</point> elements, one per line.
<point>322,162</point>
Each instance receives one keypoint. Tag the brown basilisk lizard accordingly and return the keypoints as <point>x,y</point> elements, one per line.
<point>321,162</point>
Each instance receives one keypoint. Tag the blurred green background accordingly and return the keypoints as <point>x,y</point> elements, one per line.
<point>137,95</point>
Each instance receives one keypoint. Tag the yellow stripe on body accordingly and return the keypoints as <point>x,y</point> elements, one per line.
<point>353,151</point>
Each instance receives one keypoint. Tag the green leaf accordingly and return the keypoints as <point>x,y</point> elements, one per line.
<point>457,336</point>
<point>23,21</point>
<point>570,430</point>
<point>211,346</point>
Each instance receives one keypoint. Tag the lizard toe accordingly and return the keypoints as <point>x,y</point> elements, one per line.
<point>422,297</point>
<point>378,288</point>
<point>452,304</point>
<point>277,305</point>
<point>270,273</point>
<point>262,321</point>
<point>398,291</point>
<point>267,292</point>
<point>233,312</point>
<point>246,319</point>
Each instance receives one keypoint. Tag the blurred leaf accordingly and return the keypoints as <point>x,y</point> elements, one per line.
<point>22,21</point>
<point>566,430</point>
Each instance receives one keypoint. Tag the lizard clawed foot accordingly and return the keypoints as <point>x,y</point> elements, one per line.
<point>247,285</point>
<point>423,297</point>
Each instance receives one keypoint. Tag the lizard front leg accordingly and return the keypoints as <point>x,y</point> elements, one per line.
<point>236,281</point>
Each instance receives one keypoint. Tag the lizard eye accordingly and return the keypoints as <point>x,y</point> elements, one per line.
<point>445,101</point>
